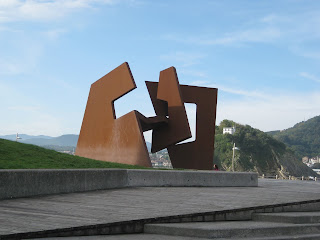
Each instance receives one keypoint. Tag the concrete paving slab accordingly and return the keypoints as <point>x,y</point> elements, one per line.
<point>110,206</point>
<point>232,229</point>
<point>288,217</point>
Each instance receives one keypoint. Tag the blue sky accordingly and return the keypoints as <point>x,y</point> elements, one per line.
<point>263,56</point>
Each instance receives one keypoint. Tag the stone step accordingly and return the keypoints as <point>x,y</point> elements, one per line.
<point>232,229</point>
<point>288,217</point>
<point>139,236</point>
<point>143,236</point>
<point>299,237</point>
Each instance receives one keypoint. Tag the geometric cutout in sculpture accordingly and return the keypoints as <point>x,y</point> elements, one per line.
<point>199,153</point>
<point>105,138</point>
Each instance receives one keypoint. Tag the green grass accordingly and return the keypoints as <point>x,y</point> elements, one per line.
<point>15,155</point>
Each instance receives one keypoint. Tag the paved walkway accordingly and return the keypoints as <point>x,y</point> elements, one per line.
<point>107,206</point>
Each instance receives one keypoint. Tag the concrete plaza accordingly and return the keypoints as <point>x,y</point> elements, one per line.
<point>54,212</point>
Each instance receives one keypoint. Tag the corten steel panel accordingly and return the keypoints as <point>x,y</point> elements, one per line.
<point>105,138</point>
<point>167,100</point>
<point>199,153</point>
<point>151,122</point>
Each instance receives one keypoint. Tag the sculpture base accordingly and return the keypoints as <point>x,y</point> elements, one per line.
<point>27,183</point>
<point>189,178</point>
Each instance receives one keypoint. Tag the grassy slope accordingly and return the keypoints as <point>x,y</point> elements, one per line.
<point>15,155</point>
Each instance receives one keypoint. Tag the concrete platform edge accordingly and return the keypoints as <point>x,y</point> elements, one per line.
<point>28,183</point>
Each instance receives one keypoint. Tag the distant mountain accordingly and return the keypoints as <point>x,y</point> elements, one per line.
<point>258,152</point>
<point>303,138</point>
<point>64,140</point>
<point>12,137</point>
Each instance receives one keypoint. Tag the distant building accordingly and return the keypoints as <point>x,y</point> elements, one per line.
<point>314,160</point>
<point>305,160</point>
<point>229,130</point>
<point>311,161</point>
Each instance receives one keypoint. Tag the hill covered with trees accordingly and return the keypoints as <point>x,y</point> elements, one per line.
<point>258,152</point>
<point>303,138</point>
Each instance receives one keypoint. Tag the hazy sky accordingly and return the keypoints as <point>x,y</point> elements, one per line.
<point>263,56</point>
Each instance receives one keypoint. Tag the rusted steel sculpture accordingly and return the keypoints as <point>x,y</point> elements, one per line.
<point>167,101</point>
<point>103,137</point>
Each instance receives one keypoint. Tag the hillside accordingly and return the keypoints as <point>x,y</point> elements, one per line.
<point>258,152</point>
<point>303,138</point>
<point>15,155</point>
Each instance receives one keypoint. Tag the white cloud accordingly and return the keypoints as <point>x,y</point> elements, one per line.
<point>33,124</point>
<point>310,76</point>
<point>247,36</point>
<point>199,83</point>
<point>17,10</point>
<point>54,34</point>
<point>263,110</point>
<point>25,114</point>
<point>24,57</point>
<point>245,93</point>
<point>8,3</point>
<point>183,59</point>
<point>306,53</point>
<point>24,108</point>
<point>277,112</point>
<point>258,35</point>
<point>7,67</point>
<point>289,30</point>
<point>193,73</point>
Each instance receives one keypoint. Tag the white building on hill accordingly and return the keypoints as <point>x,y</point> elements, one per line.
<point>229,130</point>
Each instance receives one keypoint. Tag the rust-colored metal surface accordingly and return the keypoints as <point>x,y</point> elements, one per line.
<point>199,153</point>
<point>105,138</point>
<point>167,100</point>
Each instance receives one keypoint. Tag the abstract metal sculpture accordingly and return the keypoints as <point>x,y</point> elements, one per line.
<point>103,137</point>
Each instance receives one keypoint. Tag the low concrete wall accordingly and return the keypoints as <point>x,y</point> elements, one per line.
<point>172,178</point>
<point>26,183</point>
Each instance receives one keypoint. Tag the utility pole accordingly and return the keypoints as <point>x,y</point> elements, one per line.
<point>233,150</point>
<point>234,146</point>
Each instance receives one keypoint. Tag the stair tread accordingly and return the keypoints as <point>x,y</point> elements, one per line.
<point>228,224</point>
<point>232,229</point>
<point>285,237</point>
<point>288,217</point>
<point>290,214</point>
